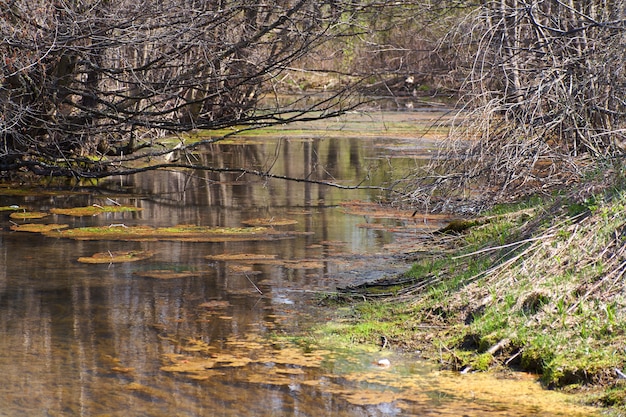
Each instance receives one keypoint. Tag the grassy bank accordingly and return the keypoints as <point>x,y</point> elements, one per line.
<point>536,286</point>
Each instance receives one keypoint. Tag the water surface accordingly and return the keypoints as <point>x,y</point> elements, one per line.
<point>219,340</point>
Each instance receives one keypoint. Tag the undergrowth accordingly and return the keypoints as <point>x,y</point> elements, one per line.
<point>536,286</point>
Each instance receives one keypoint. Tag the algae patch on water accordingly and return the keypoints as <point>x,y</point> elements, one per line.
<point>165,274</point>
<point>247,257</point>
<point>93,210</point>
<point>115,257</point>
<point>188,233</point>
<point>24,215</point>
<point>38,228</point>
<point>203,360</point>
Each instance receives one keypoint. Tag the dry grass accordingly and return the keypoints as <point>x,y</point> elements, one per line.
<point>540,289</point>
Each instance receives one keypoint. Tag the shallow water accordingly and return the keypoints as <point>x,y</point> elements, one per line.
<point>119,340</point>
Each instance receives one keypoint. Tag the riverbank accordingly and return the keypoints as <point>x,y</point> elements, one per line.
<point>536,286</point>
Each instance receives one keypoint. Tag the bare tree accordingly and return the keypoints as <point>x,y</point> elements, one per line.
<point>85,84</point>
<point>546,90</point>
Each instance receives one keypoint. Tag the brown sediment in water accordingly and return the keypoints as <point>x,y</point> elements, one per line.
<point>214,304</point>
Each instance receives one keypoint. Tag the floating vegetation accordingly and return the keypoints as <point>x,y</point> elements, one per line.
<point>93,210</point>
<point>240,354</point>
<point>304,264</point>
<point>23,215</point>
<point>355,375</point>
<point>215,304</point>
<point>165,274</point>
<point>115,257</point>
<point>28,191</point>
<point>188,233</point>
<point>249,257</point>
<point>269,222</point>
<point>38,228</point>
<point>242,269</point>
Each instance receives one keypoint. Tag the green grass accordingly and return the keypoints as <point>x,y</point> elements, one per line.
<point>555,305</point>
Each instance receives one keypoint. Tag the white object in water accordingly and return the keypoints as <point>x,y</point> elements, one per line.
<point>384,363</point>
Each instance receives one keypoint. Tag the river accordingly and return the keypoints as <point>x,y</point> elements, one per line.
<point>214,327</point>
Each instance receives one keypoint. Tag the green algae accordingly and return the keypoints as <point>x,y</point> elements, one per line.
<point>188,233</point>
<point>24,215</point>
<point>93,210</point>
<point>248,257</point>
<point>38,228</point>
<point>116,257</point>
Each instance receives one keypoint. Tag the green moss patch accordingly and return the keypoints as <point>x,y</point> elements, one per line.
<point>22,215</point>
<point>247,257</point>
<point>178,233</point>
<point>93,210</point>
<point>116,257</point>
<point>38,228</point>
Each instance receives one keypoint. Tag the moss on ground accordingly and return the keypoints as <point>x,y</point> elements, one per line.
<point>539,287</point>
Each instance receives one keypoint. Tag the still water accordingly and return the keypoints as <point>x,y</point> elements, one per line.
<point>207,328</point>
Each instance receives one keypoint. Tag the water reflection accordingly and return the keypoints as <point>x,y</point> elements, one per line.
<point>90,340</point>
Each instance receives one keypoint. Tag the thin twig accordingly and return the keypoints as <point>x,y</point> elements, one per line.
<point>253,284</point>
<point>494,248</point>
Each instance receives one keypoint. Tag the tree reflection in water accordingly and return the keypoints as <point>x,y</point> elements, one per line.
<point>90,340</point>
